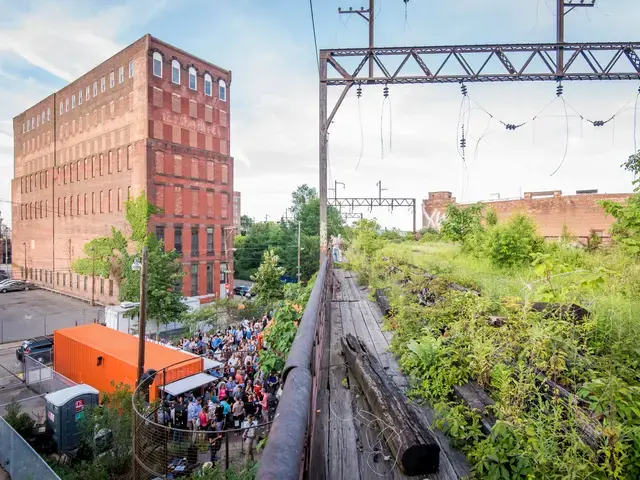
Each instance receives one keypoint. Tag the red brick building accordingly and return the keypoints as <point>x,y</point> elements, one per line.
<point>151,119</point>
<point>581,213</point>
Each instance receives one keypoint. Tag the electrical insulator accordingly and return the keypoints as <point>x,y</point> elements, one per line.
<point>359,91</point>
<point>463,142</point>
<point>559,89</point>
<point>463,89</point>
<point>385,91</point>
<point>598,123</point>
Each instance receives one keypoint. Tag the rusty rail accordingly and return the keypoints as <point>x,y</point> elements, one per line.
<point>286,455</point>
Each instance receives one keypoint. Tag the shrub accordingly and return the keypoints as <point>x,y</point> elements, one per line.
<point>20,421</point>
<point>511,244</point>
<point>461,222</point>
<point>491,218</point>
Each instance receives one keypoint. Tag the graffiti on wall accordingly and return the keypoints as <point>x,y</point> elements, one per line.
<point>433,219</point>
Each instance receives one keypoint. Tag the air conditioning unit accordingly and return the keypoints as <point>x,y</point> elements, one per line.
<point>128,304</point>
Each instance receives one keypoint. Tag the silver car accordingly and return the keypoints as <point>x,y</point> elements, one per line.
<point>14,286</point>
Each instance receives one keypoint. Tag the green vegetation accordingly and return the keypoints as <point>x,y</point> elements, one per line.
<point>113,259</point>
<point>525,360</point>
<point>268,287</point>
<point>282,237</point>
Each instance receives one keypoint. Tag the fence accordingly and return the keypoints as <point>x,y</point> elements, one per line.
<point>164,451</point>
<point>35,325</point>
<point>20,460</point>
<point>287,454</point>
<point>42,379</point>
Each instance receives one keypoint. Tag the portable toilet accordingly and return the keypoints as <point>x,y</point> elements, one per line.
<point>64,409</point>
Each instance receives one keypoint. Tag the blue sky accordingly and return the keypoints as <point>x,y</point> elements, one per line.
<point>269,47</point>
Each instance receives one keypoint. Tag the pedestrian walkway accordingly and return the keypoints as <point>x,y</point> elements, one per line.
<point>348,443</point>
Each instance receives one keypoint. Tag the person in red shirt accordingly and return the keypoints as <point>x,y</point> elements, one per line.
<point>257,388</point>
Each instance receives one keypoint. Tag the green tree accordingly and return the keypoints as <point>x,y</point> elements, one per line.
<point>300,197</point>
<point>461,222</point>
<point>20,421</point>
<point>220,313</point>
<point>268,287</point>
<point>112,258</point>
<point>626,229</point>
<point>512,243</point>
<point>246,223</point>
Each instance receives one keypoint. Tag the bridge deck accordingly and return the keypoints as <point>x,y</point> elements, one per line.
<point>347,442</point>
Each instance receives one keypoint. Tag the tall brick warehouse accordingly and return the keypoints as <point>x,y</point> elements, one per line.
<point>581,214</point>
<point>151,119</point>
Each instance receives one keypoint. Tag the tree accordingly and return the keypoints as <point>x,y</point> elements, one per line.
<point>461,222</point>
<point>112,258</point>
<point>220,313</point>
<point>268,287</point>
<point>246,223</point>
<point>300,197</point>
<point>626,229</point>
<point>250,248</point>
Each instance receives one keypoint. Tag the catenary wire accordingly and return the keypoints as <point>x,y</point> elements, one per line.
<point>315,38</point>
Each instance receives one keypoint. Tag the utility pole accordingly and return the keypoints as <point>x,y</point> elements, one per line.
<point>142,316</point>
<point>370,18</point>
<point>299,271</point>
<point>380,190</point>
<point>266,218</point>
<point>93,277</point>
<point>335,188</point>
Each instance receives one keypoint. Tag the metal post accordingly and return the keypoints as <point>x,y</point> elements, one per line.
<point>226,449</point>
<point>324,126</point>
<point>560,38</point>
<point>415,202</point>
<point>142,315</point>
<point>372,18</point>
<point>299,272</point>
<point>93,277</point>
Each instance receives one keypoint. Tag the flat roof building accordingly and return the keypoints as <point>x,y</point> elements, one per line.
<point>150,119</point>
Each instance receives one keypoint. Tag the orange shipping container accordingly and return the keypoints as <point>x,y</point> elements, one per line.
<point>77,351</point>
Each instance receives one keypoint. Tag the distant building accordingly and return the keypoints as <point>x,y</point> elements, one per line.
<point>581,213</point>
<point>153,119</point>
<point>237,211</point>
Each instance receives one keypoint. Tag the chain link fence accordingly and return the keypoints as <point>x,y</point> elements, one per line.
<point>42,379</point>
<point>31,326</point>
<point>19,460</point>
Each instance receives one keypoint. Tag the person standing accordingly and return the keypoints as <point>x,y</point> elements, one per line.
<point>249,437</point>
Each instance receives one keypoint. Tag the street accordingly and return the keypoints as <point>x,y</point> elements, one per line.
<point>25,315</point>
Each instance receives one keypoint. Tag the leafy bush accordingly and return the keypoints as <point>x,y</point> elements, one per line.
<point>461,222</point>
<point>20,421</point>
<point>491,218</point>
<point>511,244</point>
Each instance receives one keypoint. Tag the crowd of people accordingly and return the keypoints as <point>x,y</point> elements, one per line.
<point>240,399</point>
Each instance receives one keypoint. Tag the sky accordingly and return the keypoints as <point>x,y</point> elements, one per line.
<point>410,142</point>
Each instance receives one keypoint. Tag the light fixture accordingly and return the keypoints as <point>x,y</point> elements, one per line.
<point>136,265</point>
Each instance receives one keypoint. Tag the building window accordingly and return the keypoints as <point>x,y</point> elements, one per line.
<point>101,201</point>
<point>194,280</point>
<point>160,233</point>
<point>177,241</point>
<point>93,202</point>
<point>157,64</point>
<point>193,84</point>
<point>86,282</point>
<point>85,203</point>
<point>209,278</point>
<point>80,99</point>
<point>61,112</point>
<point>88,92</point>
<point>175,71</point>
<point>210,240</point>
<point>48,114</point>
<point>224,273</point>
<point>57,278</point>
<point>131,68</point>
<point>66,104</point>
<point>73,101</point>
<point>46,276</point>
<point>121,75</point>
<point>101,286</point>
<point>119,199</point>
<point>101,161</point>
<point>110,199</point>
<point>129,159</point>
<point>208,90</point>
<point>224,244</point>
<point>103,84</point>
<point>95,88</point>
<point>110,287</point>
<point>112,79</point>
<point>223,90</point>
<point>194,241</point>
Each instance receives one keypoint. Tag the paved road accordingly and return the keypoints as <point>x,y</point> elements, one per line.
<point>25,315</point>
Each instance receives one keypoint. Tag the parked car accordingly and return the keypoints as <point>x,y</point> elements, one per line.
<point>243,291</point>
<point>14,286</point>
<point>40,348</point>
<point>3,275</point>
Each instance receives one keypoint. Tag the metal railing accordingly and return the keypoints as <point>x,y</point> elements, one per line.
<point>43,379</point>
<point>287,454</point>
<point>36,325</point>
<point>162,450</point>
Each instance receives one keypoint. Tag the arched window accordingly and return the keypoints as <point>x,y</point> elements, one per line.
<point>193,85</point>
<point>223,90</point>
<point>208,90</point>
<point>157,64</point>
<point>175,72</point>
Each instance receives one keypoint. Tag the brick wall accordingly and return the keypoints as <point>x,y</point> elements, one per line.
<point>131,132</point>
<point>581,214</point>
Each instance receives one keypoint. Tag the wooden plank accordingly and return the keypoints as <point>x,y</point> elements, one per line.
<point>342,454</point>
<point>476,398</point>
